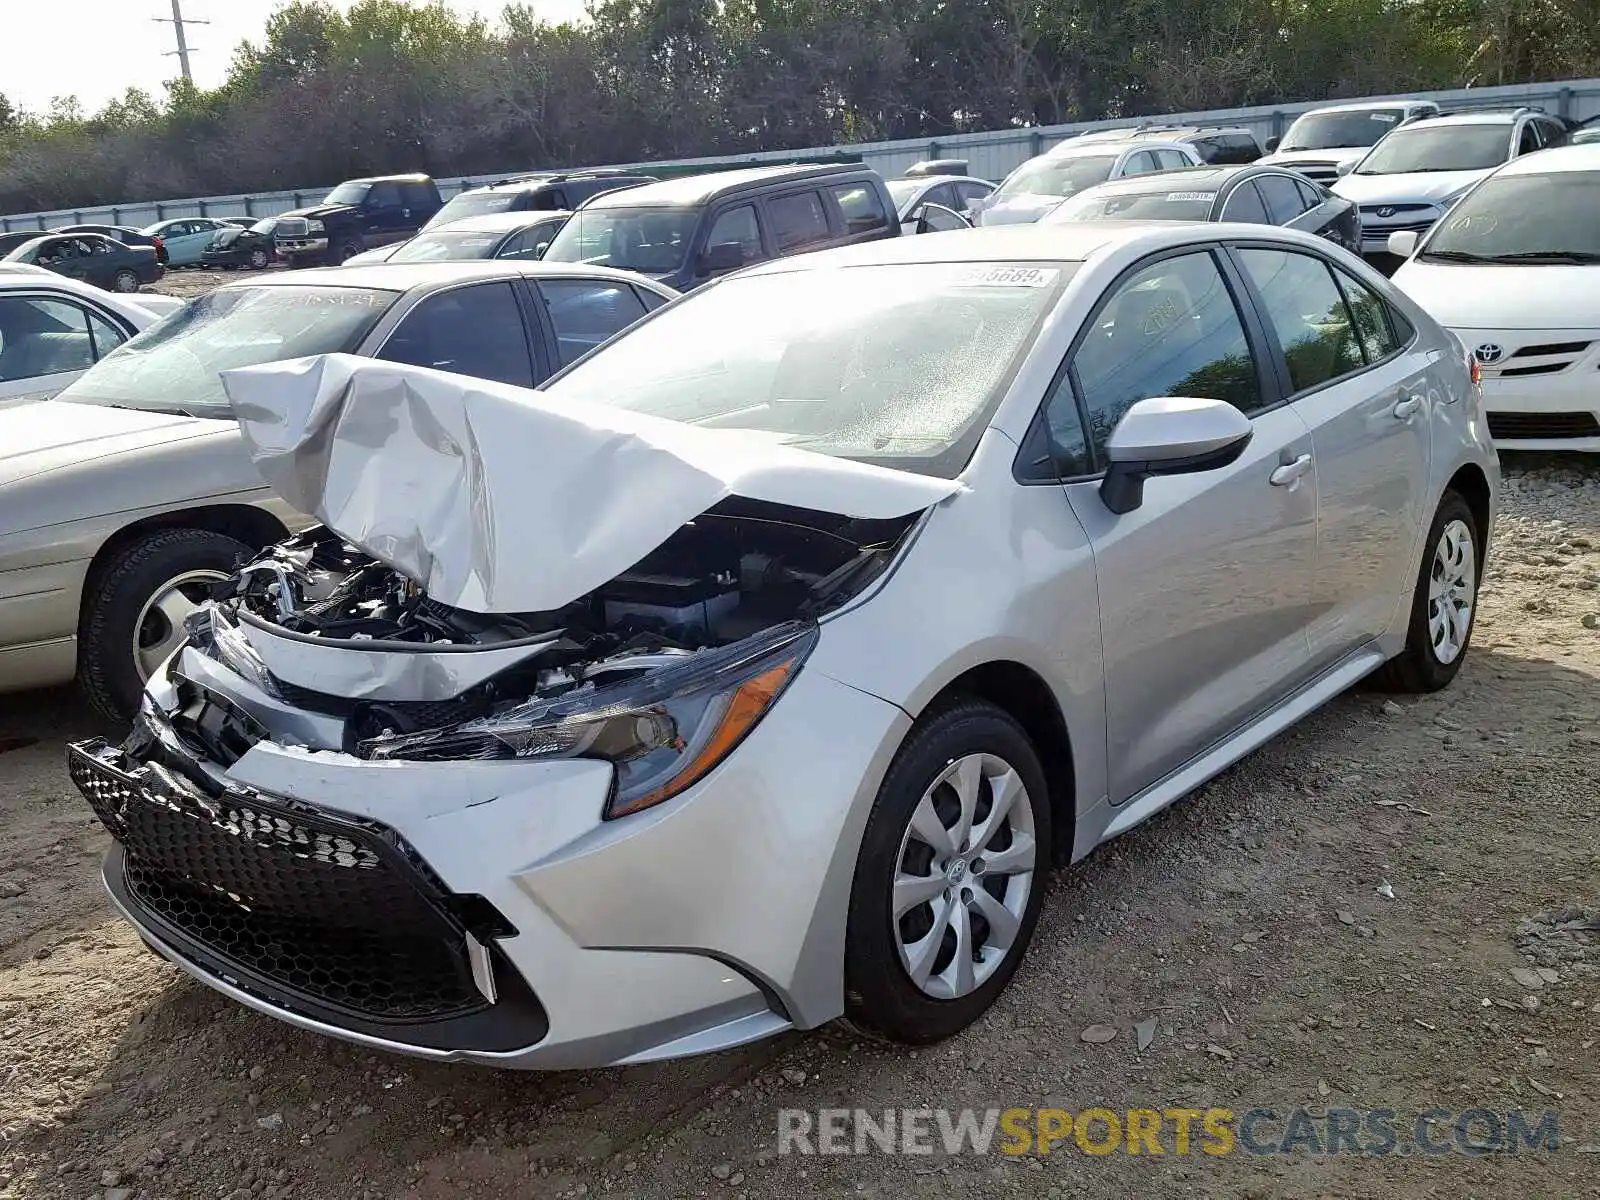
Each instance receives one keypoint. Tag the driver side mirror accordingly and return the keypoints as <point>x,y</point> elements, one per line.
<point>1272,144</point>
<point>721,258</point>
<point>1403,243</point>
<point>1169,435</point>
<point>1345,167</point>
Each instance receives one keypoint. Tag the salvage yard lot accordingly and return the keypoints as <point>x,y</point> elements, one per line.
<point>1334,923</point>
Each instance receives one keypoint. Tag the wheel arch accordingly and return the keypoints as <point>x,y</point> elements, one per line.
<point>243,522</point>
<point>1472,485</point>
<point>1021,692</point>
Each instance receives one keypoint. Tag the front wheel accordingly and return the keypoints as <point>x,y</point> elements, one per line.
<point>344,249</point>
<point>125,281</point>
<point>950,877</point>
<point>1443,606</point>
<point>258,260</point>
<point>133,616</point>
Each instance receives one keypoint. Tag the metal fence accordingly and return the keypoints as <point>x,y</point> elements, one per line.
<point>991,155</point>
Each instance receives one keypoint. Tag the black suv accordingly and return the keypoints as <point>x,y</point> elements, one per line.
<point>544,192</point>
<point>356,215</point>
<point>686,231</point>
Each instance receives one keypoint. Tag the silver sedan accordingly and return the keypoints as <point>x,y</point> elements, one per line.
<point>970,552</point>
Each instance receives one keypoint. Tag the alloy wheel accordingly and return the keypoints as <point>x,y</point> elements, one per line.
<point>1452,591</point>
<point>963,876</point>
<point>159,630</point>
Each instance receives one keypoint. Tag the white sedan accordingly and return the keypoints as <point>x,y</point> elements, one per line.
<point>52,329</point>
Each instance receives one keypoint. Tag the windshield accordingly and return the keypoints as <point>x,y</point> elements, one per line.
<point>348,193</point>
<point>475,204</point>
<point>1338,130</point>
<point>896,365</point>
<point>1524,218</point>
<point>1056,177</point>
<point>654,241</point>
<point>172,367</point>
<point>447,245</point>
<point>1169,204</point>
<point>1439,148</point>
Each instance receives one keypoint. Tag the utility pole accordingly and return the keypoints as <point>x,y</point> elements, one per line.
<point>178,21</point>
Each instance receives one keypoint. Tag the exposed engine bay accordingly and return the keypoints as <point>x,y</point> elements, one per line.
<point>329,628</point>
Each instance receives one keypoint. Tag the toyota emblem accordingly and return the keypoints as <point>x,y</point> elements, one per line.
<point>1489,353</point>
<point>1386,211</point>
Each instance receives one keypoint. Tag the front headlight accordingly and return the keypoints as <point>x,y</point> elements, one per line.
<point>662,729</point>
<point>316,226</point>
<point>218,638</point>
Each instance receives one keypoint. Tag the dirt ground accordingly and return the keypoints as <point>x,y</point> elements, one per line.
<point>193,281</point>
<point>1334,923</point>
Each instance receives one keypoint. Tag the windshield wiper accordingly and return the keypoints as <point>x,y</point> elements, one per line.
<point>1579,257</point>
<point>1462,256</point>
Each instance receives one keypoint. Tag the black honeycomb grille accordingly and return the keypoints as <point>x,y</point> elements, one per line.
<point>330,910</point>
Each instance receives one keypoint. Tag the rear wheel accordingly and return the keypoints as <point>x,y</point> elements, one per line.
<point>125,281</point>
<point>950,877</point>
<point>133,618</point>
<point>1443,606</point>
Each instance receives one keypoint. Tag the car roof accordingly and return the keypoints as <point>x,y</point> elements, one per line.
<point>1491,116</point>
<point>1068,242</point>
<point>405,277</point>
<point>690,190</point>
<point>413,177</point>
<point>505,222</point>
<point>1365,106</point>
<point>1585,156</point>
<point>534,183</point>
<point>1160,181</point>
<point>935,180</point>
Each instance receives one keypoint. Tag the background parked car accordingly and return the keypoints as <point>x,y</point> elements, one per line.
<point>52,329</point>
<point>1411,178</point>
<point>131,486</point>
<point>185,238</point>
<point>912,194</point>
<point>357,214</point>
<point>524,235</point>
<point>552,192</point>
<point>1514,272</point>
<point>121,233</point>
<point>10,240</point>
<point>1322,140</point>
<point>1216,144</point>
<point>93,259</point>
<point>1255,194</point>
<point>249,246</point>
<point>1041,183</point>
<point>685,231</point>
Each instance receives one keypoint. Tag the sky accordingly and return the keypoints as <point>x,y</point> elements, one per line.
<point>107,46</point>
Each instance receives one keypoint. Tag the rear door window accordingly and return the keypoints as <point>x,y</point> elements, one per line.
<point>1142,163</point>
<point>1245,204</point>
<point>798,221</point>
<point>862,208</point>
<point>586,312</point>
<point>1305,306</point>
<point>1282,198</point>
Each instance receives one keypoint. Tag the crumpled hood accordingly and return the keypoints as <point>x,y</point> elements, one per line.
<point>498,499</point>
<point>227,237</point>
<point>36,438</point>
<point>1018,210</point>
<point>1470,297</point>
<point>1404,189</point>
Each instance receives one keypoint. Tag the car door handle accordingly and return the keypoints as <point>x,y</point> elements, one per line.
<point>1407,408</point>
<point>1290,472</point>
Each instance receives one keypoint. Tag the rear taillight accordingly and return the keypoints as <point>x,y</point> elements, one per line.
<point>158,243</point>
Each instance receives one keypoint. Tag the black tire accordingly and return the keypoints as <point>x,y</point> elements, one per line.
<point>880,997</point>
<point>1418,667</point>
<point>346,247</point>
<point>107,666</point>
<point>259,260</point>
<point>125,281</point>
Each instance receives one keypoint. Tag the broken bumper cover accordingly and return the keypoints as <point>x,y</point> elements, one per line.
<point>710,922</point>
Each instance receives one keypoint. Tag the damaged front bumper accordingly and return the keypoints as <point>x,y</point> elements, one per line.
<point>487,911</point>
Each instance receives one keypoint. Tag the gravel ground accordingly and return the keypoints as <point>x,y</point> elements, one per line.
<point>1355,916</point>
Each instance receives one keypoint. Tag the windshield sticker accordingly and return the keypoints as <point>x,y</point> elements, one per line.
<point>1028,277</point>
<point>1182,197</point>
<point>1384,118</point>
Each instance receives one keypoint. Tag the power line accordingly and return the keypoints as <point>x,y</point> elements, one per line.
<point>178,21</point>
